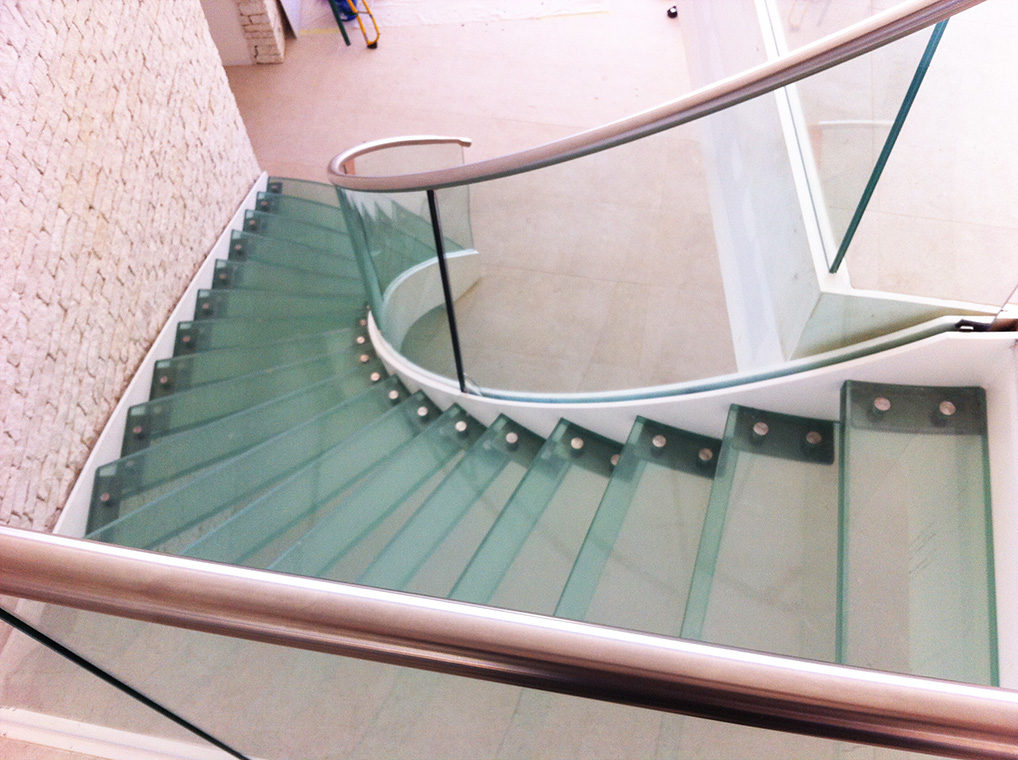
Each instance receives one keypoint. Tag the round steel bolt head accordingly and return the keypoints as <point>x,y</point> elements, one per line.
<point>364,358</point>
<point>947,408</point>
<point>461,427</point>
<point>658,441</point>
<point>363,323</point>
<point>394,395</point>
<point>222,275</point>
<point>512,439</point>
<point>361,340</point>
<point>881,404</point>
<point>375,376</point>
<point>164,380</point>
<point>104,497</point>
<point>813,438</point>
<point>137,430</point>
<point>422,412</point>
<point>206,306</point>
<point>705,455</point>
<point>576,444</point>
<point>760,429</point>
<point>239,247</point>
<point>615,460</point>
<point>185,339</point>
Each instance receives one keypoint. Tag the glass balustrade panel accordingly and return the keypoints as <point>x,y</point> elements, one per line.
<point>597,274</point>
<point>394,241</point>
<point>271,701</point>
<point>943,218</point>
<point>52,706</point>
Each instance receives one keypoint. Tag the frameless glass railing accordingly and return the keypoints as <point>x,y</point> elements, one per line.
<point>248,658</point>
<point>698,250</point>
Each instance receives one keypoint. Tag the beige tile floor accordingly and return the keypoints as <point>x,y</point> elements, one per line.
<point>600,274</point>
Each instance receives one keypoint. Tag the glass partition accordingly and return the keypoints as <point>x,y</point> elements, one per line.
<point>51,705</point>
<point>942,221</point>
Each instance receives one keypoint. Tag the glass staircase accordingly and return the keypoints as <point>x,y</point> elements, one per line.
<point>275,438</point>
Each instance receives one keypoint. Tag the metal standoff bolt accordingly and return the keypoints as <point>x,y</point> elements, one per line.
<point>363,323</point>
<point>364,358</point>
<point>238,247</point>
<point>615,460</point>
<point>658,441</point>
<point>813,438</point>
<point>104,498</point>
<point>222,275</point>
<point>394,395</point>
<point>881,404</point>
<point>760,429</point>
<point>163,380</point>
<point>576,444</point>
<point>511,440</point>
<point>361,340</point>
<point>185,339</point>
<point>705,455</point>
<point>422,412</point>
<point>206,306</point>
<point>375,376</point>
<point>461,427</point>
<point>947,408</point>
<point>137,430</point>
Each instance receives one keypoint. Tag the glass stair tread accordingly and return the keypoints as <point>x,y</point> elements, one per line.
<point>321,192</point>
<point>235,481</point>
<point>765,576</point>
<point>197,406</point>
<point>170,458</point>
<point>296,231</point>
<point>356,515</point>
<point>218,333</point>
<point>916,584</point>
<point>257,534</point>
<point>525,559</point>
<point>637,559</point>
<point>302,209</point>
<point>255,275</point>
<point>268,304</point>
<point>432,548</point>
<point>250,246</point>
<point>193,370</point>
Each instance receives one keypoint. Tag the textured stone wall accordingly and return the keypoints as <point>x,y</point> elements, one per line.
<point>262,23</point>
<point>122,157</point>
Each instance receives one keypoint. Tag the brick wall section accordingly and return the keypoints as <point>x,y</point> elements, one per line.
<point>122,157</point>
<point>263,26</point>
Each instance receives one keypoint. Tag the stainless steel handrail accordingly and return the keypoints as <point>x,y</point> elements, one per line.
<point>836,48</point>
<point>343,164</point>
<point>837,702</point>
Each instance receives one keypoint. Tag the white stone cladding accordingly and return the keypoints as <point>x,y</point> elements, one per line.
<point>263,27</point>
<point>122,158</point>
